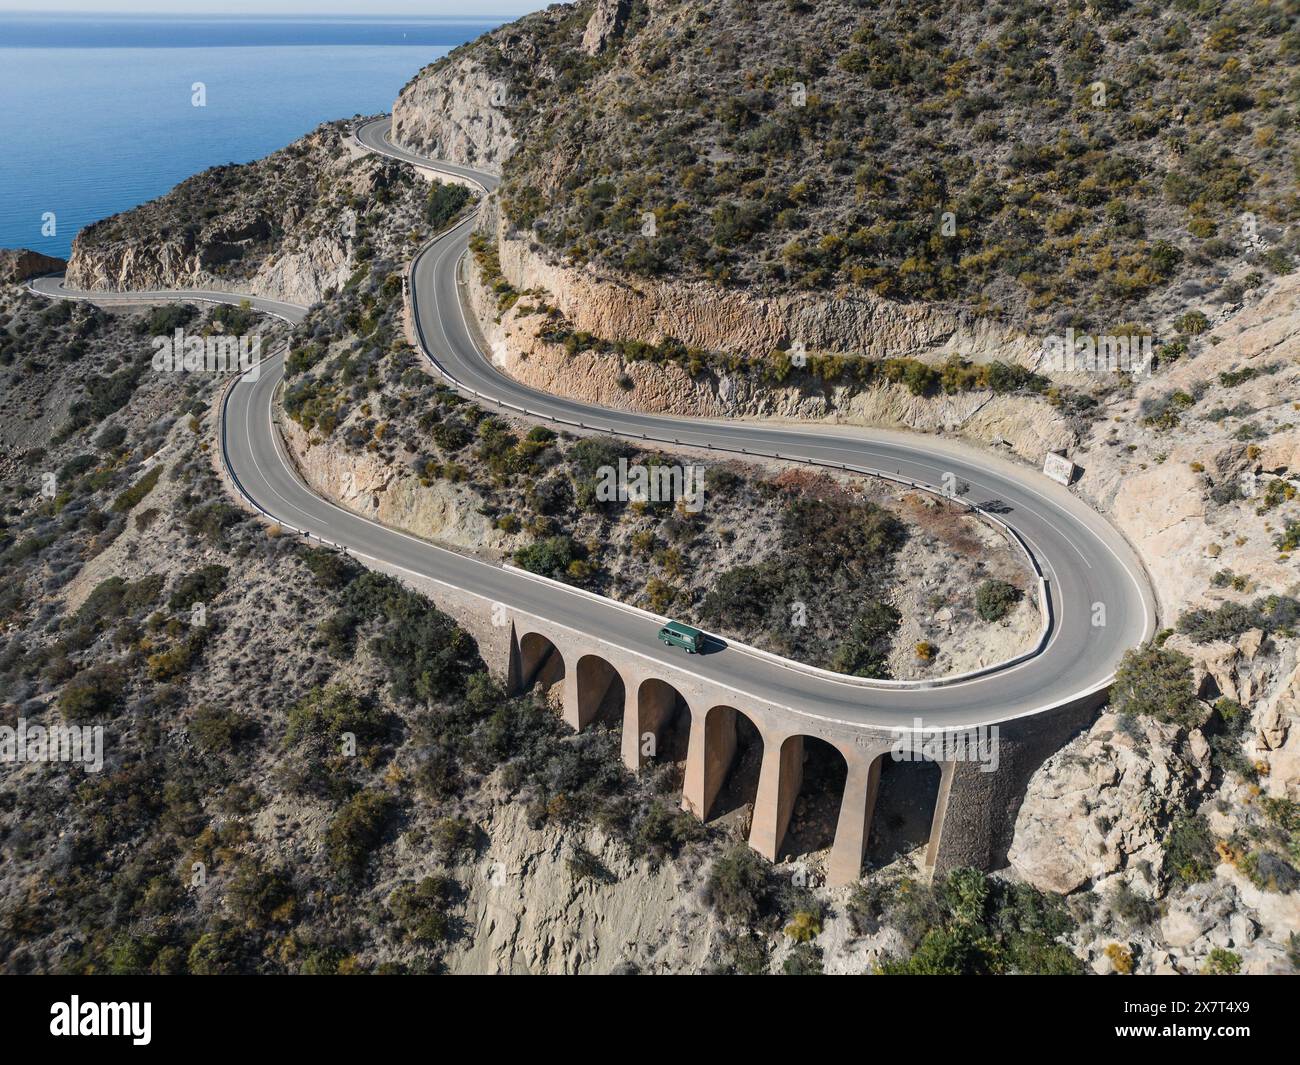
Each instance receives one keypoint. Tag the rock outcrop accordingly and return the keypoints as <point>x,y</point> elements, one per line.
<point>458,112</point>
<point>369,486</point>
<point>19,264</point>
<point>738,322</point>
<point>1023,425</point>
<point>532,913</point>
<point>606,25</point>
<point>283,226</point>
<point>1233,670</point>
<point>1277,738</point>
<point>1102,805</point>
<point>1191,493</point>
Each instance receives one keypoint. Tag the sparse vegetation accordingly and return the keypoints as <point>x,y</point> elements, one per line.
<point>1154,681</point>
<point>920,152</point>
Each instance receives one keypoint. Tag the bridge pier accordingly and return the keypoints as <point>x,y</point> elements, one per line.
<point>853,829</point>
<point>570,709</point>
<point>947,771</point>
<point>779,781</point>
<point>708,759</point>
<point>630,741</point>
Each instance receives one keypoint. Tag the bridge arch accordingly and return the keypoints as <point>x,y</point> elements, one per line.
<point>816,790</point>
<point>601,692</point>
<point>540,662</point>
<point>906,814</point>
<point>663,721</point>
<point>730,761</point>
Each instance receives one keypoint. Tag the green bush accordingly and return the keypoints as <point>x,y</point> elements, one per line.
<point>258,897</point>
<point>1156,682</point>
<point>1193,323</point>
<point>865,650</point>
<point>423,910</point>
<point>1190,856</point>
<point>1222,962</point>
<point>969,924</point>
<point>212,520</point>
<point>357,830</point>
<point>453,838</point>
<point>165,320</point>
<point>326,713</point>
<point>131,496</point>
<point>199,586</point>
<point>738,888</point>
<point>91,693</point>
<point>1274,614</point>
<point>177,660</point>
<point>331,569</point>
<point>550,557</point>
<point>425,654</point>
<point>994,599</point>
<point>446,201</point>
<point>219,729</point>
<point>115,597</point>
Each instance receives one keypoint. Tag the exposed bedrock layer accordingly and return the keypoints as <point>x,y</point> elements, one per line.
<point>1023,425</point>
<point>456,112</point>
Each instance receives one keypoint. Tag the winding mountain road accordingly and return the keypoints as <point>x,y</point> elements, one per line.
<point>1082,559</point>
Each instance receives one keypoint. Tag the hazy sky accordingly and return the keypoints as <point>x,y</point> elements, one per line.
<point>473,8</point>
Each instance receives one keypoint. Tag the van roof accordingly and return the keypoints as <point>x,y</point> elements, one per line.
<point>682,630</point>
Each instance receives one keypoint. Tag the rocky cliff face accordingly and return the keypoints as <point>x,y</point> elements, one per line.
<point>532,913</point>
<point>1103,805</point>
<point>1197,465</point>
<point>457,111</point>
<point>469,106</point>
<point>1022,425</point>
<point>606,25</point>
<point>740,322</point>
<point>19,264</point>
<point>1098,815</point>
<point>367,485</point>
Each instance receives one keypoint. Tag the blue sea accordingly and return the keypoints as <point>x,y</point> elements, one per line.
<point>97,113</point>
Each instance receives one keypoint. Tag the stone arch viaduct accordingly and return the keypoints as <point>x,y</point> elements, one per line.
<point>672,712</point>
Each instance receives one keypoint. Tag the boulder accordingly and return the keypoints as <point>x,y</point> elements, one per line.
<point>1103,804</point>
<point>1280,454</point>
<point>1200,915</point>
<point>1221,668</point>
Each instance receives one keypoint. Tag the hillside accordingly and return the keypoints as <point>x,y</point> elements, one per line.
<point>1098,161</point>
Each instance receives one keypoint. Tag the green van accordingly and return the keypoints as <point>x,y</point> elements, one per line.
<point>678,635</point>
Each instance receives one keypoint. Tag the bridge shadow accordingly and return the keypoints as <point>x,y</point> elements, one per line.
<point>817,807</point>
<point>904,810</point>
